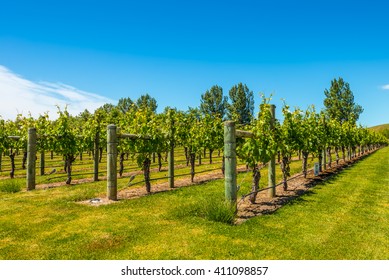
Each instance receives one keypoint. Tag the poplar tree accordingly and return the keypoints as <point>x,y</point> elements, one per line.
<point>125,104</point>
<point>213,102</point>
<point>241,108</point>
<point>146,101</point>
<point>339,102</point>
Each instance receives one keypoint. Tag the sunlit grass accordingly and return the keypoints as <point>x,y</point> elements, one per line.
<point>344,218</point>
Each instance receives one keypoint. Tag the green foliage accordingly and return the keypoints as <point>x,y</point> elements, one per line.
<point>125,104</point>
<point>213,102</point>
<point>241,108</point>
<point>189,131</point>
<point>107,108</point>
<point>13,128</point>
<point>143,122</point>
<point>334,133</point>
<point>196,132</point>
<point>147,102</point>
<point>44,126</point>
<point>168,120</point>
<point>383,129</point>
<point>3,135</point>
<point>211,131</point>
<point>309,131</point>
<point>264,144</point>
<point>63,134</point>
<point>339,102</point>
<point>290,138</point>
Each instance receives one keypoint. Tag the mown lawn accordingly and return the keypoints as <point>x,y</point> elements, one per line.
<point>347,217</point>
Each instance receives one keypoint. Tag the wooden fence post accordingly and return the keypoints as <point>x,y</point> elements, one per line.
<point>111,162</point>
<point>171,160</point>
<point>230,162</point>
<point>171,152</point>
<point>31,158</point>
<point>171,165</point>
<point>96,157</point>
<point>272,162</point>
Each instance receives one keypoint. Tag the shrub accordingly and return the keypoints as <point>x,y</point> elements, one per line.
<point>212,209</point>
<point>10,186</point>
<point>219,211</point>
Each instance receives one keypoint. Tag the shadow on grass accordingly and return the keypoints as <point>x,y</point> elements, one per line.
<point>269,207</point>
<point>298,190</point>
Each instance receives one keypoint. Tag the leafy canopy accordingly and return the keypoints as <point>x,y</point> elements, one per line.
<point>241,108</point>
<point>339,102</point>
<point>213,102</point>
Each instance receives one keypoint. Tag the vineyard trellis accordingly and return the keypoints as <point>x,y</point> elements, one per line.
<point>257,143</point>
<point>253,157</point>
<point>112,153</point>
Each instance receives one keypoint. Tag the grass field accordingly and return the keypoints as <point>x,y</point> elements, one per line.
<point>344,218</point>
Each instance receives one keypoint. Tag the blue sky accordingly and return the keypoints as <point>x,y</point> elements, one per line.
<point>86,53</point>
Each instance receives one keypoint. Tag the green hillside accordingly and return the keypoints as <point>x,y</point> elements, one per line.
<point>382,128</point>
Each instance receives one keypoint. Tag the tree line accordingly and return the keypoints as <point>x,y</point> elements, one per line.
<point>332,130</point>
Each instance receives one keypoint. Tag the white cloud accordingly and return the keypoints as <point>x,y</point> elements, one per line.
<point>18,95</point>
<point>385,87</point>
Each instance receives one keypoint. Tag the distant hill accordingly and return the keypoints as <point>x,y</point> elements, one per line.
<point>383,128</point>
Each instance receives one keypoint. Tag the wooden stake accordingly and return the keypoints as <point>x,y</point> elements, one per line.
<point>31,157</point>
<point>111,162</point>
<point>230,162</point>
<point>96,157</point>
<point>272,162</point>
<point>171,166</point>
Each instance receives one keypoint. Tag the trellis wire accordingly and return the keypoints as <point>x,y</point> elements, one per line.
<point>267,188</point>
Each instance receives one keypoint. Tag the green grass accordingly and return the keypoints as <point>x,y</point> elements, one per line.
<point>10,186</point>
<point>344,218</point>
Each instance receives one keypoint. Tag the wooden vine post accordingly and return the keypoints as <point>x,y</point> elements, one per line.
<point>111,162</point>
<point>230,135</point>
<point>31,156</point>
<point>171,159</point>
<point>112,154</point>
<point>230,162</point>
<point>171,144</point>
<point>96,157</point>
<point>272,162</point>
